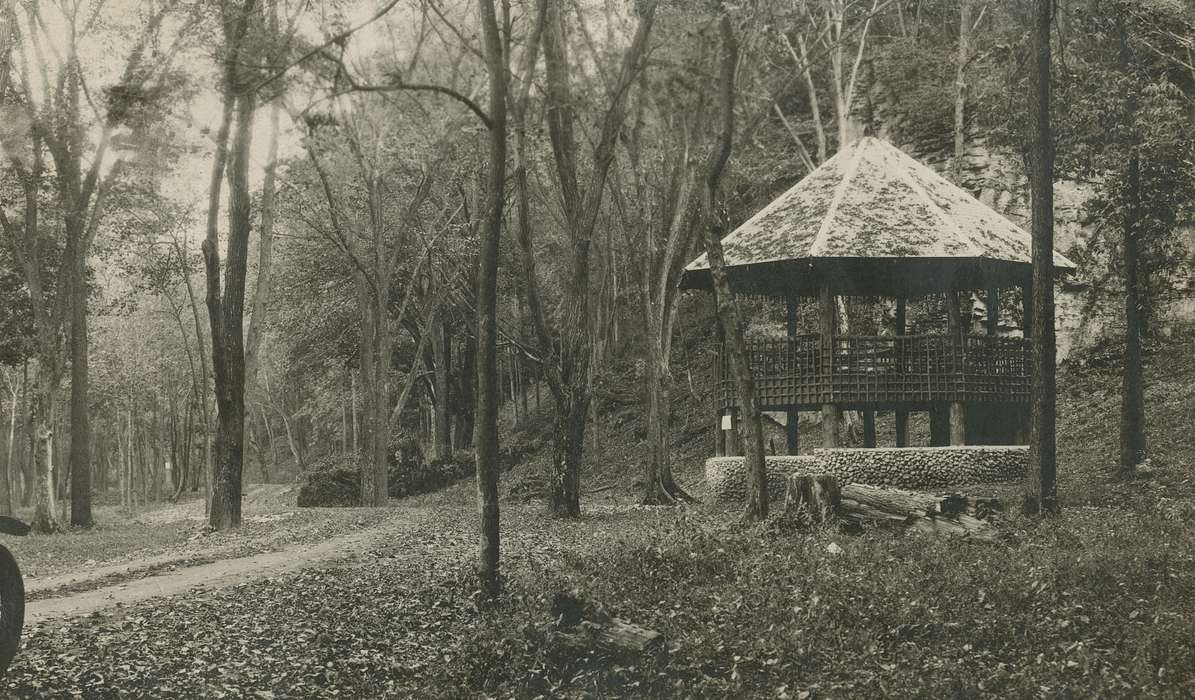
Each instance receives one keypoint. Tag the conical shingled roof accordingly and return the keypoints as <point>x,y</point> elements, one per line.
<point>872,200</point>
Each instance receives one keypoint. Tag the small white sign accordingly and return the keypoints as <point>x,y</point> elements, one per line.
<point>727,421</point>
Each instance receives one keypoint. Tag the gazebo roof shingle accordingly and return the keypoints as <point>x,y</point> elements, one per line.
<point>872,201</point>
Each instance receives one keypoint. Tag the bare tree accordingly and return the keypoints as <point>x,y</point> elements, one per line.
<point>567,361</point>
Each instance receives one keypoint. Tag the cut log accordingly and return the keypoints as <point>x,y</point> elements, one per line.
<point>623,637</point>
<point>959,525</point>
<point>810,500</point>
<point>901,501</point>
<point>924,512</point>
<point>583,626</point>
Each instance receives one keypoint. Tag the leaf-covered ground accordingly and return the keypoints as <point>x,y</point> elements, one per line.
<point>1095,602</point>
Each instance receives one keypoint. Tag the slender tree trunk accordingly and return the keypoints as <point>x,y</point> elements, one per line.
<point>353,412</point>
<point>485,438</point>
<point>1042,496</point>
<point>960,89</point>
<point>261,290</point>
<point>28,462</point>
<point>465,401</point>
<point>6,476</point>
<point>729,316</point>
<point>45,519</point>
<point>1132,406</point>
<point>442,437</point>
<point>267,471</point>
<point>1132,403</point>
<point>80,457</point>
<point>374,491</point>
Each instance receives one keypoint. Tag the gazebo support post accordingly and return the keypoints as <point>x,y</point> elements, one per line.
<point>902,414</point>
<point>993,303</point>
<point>826,328</point>
<point>996,428</point>
<point>939,425</point>
<point>1027,325</point>
<point>958,411</point>
<point>792,432</point>
<point>869,428</point>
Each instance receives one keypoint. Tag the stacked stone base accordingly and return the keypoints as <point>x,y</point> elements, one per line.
<point>902,467</point>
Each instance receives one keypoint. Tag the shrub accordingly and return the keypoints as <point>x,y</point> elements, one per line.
<point>330,483</point>
<point>411,473</point>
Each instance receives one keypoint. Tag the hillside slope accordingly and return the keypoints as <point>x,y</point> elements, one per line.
<point>1088,427</point>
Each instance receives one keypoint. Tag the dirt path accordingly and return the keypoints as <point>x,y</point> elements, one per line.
<point>211,576</point>
<point>173,573</point>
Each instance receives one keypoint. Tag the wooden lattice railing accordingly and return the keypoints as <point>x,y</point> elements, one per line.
<point>801,371</point>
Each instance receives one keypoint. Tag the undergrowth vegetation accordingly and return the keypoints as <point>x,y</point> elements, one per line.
<point>1094,602</point>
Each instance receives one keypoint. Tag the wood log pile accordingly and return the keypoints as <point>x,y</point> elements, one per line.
<point>815,499</point>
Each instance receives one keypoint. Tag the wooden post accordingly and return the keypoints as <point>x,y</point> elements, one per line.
<point>994,427</point>
<point>1022,436</point>
<point>826,328</point>
<point>939,426</point>
<point>902,414</point>
<point>792,431</point>
<point>993,304</point>
<point>957,334</point>
<point>869,428</point>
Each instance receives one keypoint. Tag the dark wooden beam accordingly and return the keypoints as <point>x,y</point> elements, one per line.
<point>827,327</point>
<point>869,428</point>
<point>957,333</point>
<point>902,415</point>
<point>792,432</point>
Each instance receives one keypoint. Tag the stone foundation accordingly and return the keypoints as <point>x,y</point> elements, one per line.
<point>902,467</point>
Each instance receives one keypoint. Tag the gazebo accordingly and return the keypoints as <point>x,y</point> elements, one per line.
<point>874,222</point>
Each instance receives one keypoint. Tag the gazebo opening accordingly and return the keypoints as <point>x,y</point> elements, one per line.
<point>873,228</point>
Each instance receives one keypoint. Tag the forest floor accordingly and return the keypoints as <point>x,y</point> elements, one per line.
<point>1094,602</point>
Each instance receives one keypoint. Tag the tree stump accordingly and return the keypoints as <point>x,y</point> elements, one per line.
<point>810,500</point>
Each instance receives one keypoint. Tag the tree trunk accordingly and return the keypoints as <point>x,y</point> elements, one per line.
<point>485,439</point>
<point>960,90</point>
<point>226,313</point>
<point>729,316</point>
<point>80,457</point>
<point>442,439</point>
<point>1042,496</point>
<point>27,455</point>
<point>1132,403</point>
<point>45,519</point>
<point>568,443</point>
<point>265,248</point>
<point>6,476</point>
